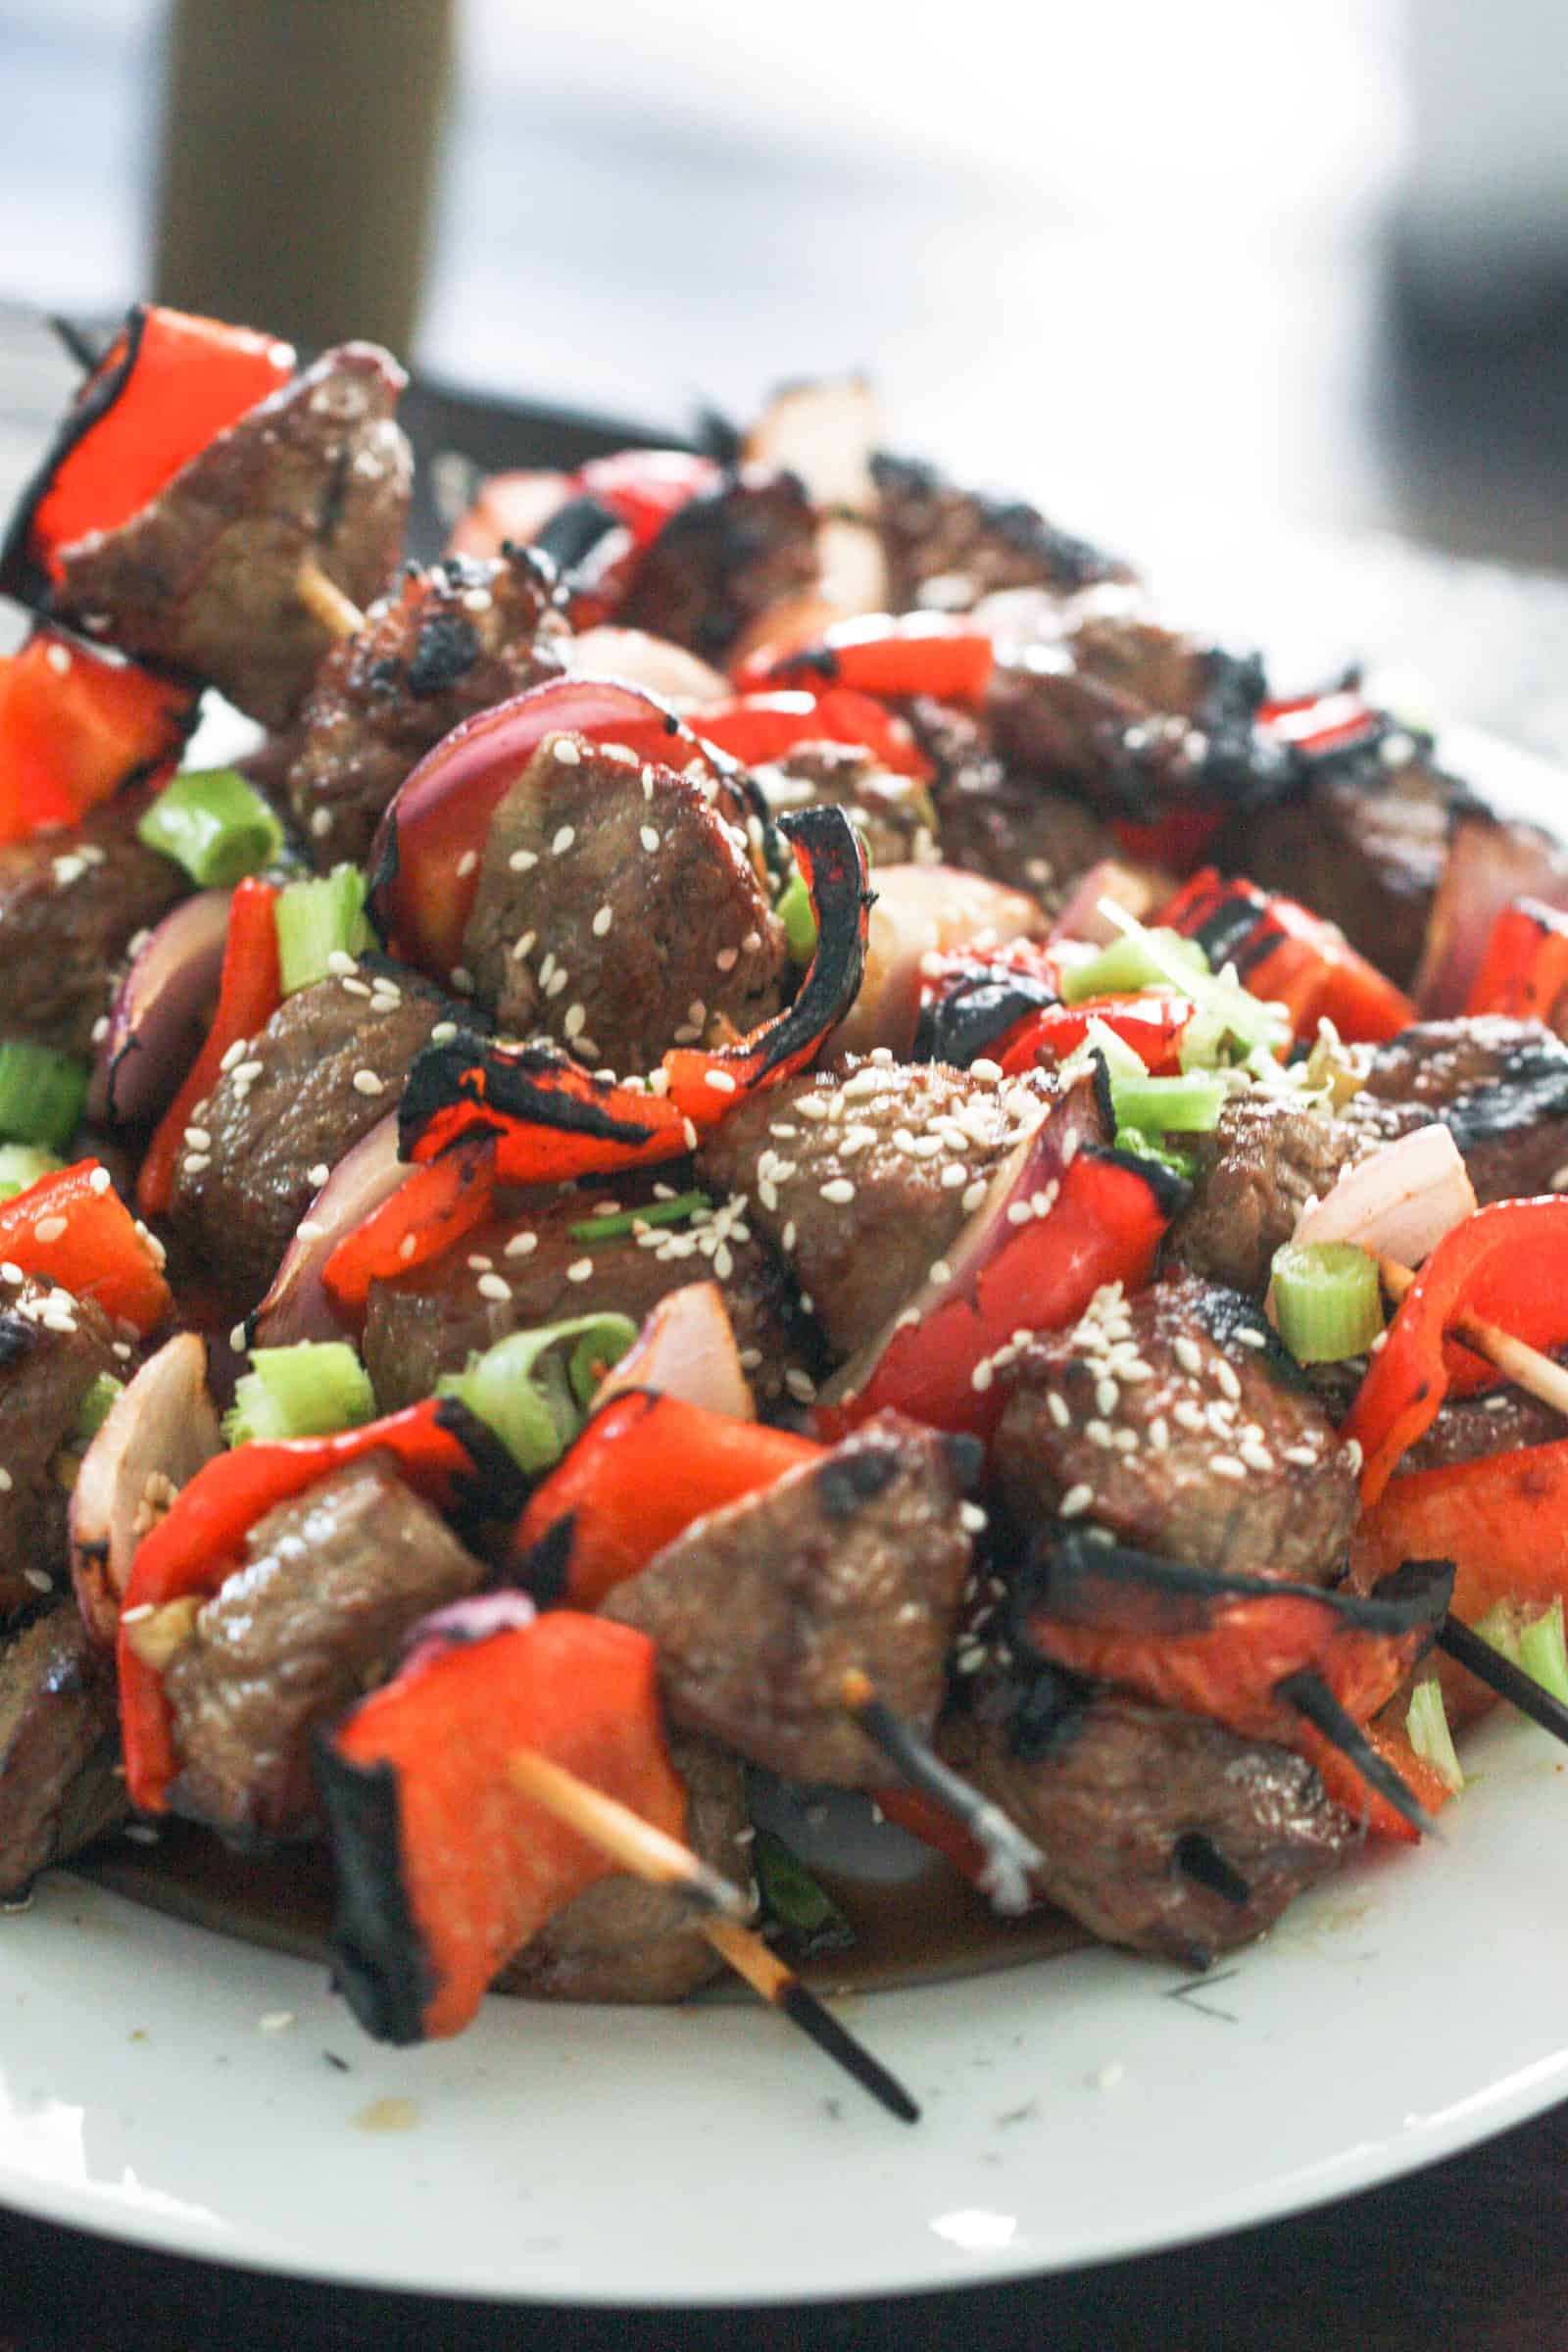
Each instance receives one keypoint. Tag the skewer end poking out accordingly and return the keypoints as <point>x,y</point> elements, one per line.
<point>325,601</point>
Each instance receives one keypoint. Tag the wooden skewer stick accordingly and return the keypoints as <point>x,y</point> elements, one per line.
<point>1306,1691</point>
<point>1501,1674</point>
<point>640,1847</point>
<point>325,601</point>
<point>1010,1857</point>
<point>1527,1367</point>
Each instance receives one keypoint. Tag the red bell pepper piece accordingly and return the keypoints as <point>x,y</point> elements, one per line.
<point>1227,1647</point>
<point>444,1868</point>
<point>1524,972</point>
<point>198,1544</point>
<point>1151,1025</point>
<point>1317,725</point>
<point>646,488</point>
<point>645,1467</point>
<point>1087,1216</point>
<point>1287,955</point>
<point>1507,1264</point>
<point>552,1119</point>
<point>75,725</point>
<point>434,1207</point>
<point>73,1229</point>
<point>1175,840</point>
<point>1502,1519</point>
<point>887,653</point>
<point>755,728</point>
<point>911,1809</point>
<point>249,993</point>
<point>166,387</point>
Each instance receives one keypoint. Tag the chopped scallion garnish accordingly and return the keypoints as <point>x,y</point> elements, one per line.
<point>22,1166</point>
<point>42,1095</point>
<point>1250,1019</point>
<point>1128,964</point>
<point>533,1388</point>
<point>93,1410</point>
<point>311,1391</point>
<point>797,915</point>
<point>1185,1106</point>
<point>1149,1147</point>
<point>1426,1725</point>
<point>1500,1629</point>
<point>629,1220</point>
<point>317,920</point>
<point>215,825</point>
<point>1542,1653</point>
<point>791,1898</point>
<point>1326,1300</point>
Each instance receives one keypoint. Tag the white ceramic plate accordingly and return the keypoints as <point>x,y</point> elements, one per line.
<point>160,2084</point>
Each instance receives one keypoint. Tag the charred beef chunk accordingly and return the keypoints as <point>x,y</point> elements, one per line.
<point>1115,1794</point>
<point>1266,1159</point>
<point>327,1067</point>
<point>1365,844</point>
<point>618,910</point>
<point>722,561</point>
<point>992,820</point>
<point>448,642</point>
<point>759,1611</point>
<point>204,576</point>
<point>52,1349</point>
<point>527,1270</point>
<point>70,906</point>
<point>864,1173</point>
<point>893,813</point>
<point>627,1941</point>
<point>1193,1430</point>
<point>59,1747</point>
<point>331,1581</point>
<point>948,547</point>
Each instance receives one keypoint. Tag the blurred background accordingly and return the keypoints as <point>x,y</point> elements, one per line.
<point>1224,282</point>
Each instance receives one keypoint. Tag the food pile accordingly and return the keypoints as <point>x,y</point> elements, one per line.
<point>776,1133</point>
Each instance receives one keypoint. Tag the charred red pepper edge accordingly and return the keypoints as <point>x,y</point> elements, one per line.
<point>1078,1581</point>
<point>1524,972</point>
<point>21,573</point>
<point>981,1007</point>
<point>1282,951</point>
<point>526,1094</point>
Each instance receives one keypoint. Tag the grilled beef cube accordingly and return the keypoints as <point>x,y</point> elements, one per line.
<point>59,1747</point>
<point>448,642</point>
<point>52,1349</point>
<point>205,576</point>
<point>1194,1432</point>
<point>893,813</point>
<point>523,1271</point>
<point>327,1067</point>
<point>70,906</point>
<point>331,1582</point>
<point>949,547</point>
<point>1116,1794</point>
<point>1265,1160</point>
<point>759,1611</point>
<point>722,561</point>
<point>627,1941</point>
<point>1364,845</point>
<point>864,1173</point>
<point>618,910</point>
<point>1500,1086</point>
<point>992,820</point>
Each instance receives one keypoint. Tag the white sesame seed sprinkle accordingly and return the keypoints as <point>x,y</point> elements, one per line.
<point>564,839</point>
<point>1075,1501</point>
<point>581,1269</point>
<point>1225,1465</point>
<point>366,1082</point>
<point>494,1286</point>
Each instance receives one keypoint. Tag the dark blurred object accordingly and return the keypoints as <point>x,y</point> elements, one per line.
<point>298,147</point>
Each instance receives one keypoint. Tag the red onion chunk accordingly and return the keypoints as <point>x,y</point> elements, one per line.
<point>923,911</point>
<point>1399,1203</point>
<point>479,1617</point>
<point>686,1349</point>
<point>159,1014</point>
<point>154,1439</point>
<point>632,657</point>
<point>1489,865</point>
<point>1136,889</point>
<point>823,432</point>
<point>297,1306</point>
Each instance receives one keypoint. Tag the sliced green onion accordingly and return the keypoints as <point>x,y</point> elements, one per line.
<point>215,825</point>
<point>42,1095</point>
<point>311,1391</point>
<point>1500,1629</point>
<point>93,1410</point>
<point>1250,1019</point>
<point>317,920</point>
<point>1128,964</point>
<point>1122,1059</point>
<point>629,1220</point>
<point>791,1896</point>
<point>1187,1105</point>
<point>1149,1147</point>
<point>22,1166</point>
<point>532,1390</point>
<point>795,911</point>
<point>1426,1724</point>
<point>1542,1653</point>
<point>1326,1300</point>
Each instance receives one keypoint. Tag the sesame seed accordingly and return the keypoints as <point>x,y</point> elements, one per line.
<point>939,1271</point>
<point>1352,1453</point>
<point>974,1194</point>
<point>1075,1501</point>
<point>649,839</point>
<point>406,1247</point>
<point>1107,1396</point>
<point>1226,1379</point>
<point>577,1020</point>
<point>1057,1407</point>
<point>971,1517</point>
<point>48,1229</point>
<point>567,752</point>
<point>720,1080</point>
<point>1304,1456</point>
<point>602,920</point>
<point>1256,1457</point>
<point>557,982</point>
<point>276,2021</point>
<point>480,1265</point>
<point>523,1245</point>
<point>800,1386</point>
<point>1225,1465</point>
<point>443,1033</point>
<point>100,1181</point>
<point>494,1286</point>
<point>6,1481</point>
<point>309,1229</point>
<point>100,1029</point>
<point>563,841</point>
<point>982,1375</point>
<point>989,1071</point>
<point>580,1270</point>
<point>839,1190</point>
<point>366,1082</point>
<point>787,1236</point>
<point>319,1174</point>
<point>521,861</point>
<point>247,1073</point>
<point>1187,1353</point>
<point>727,958</point>
<point>1188,1415</point>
